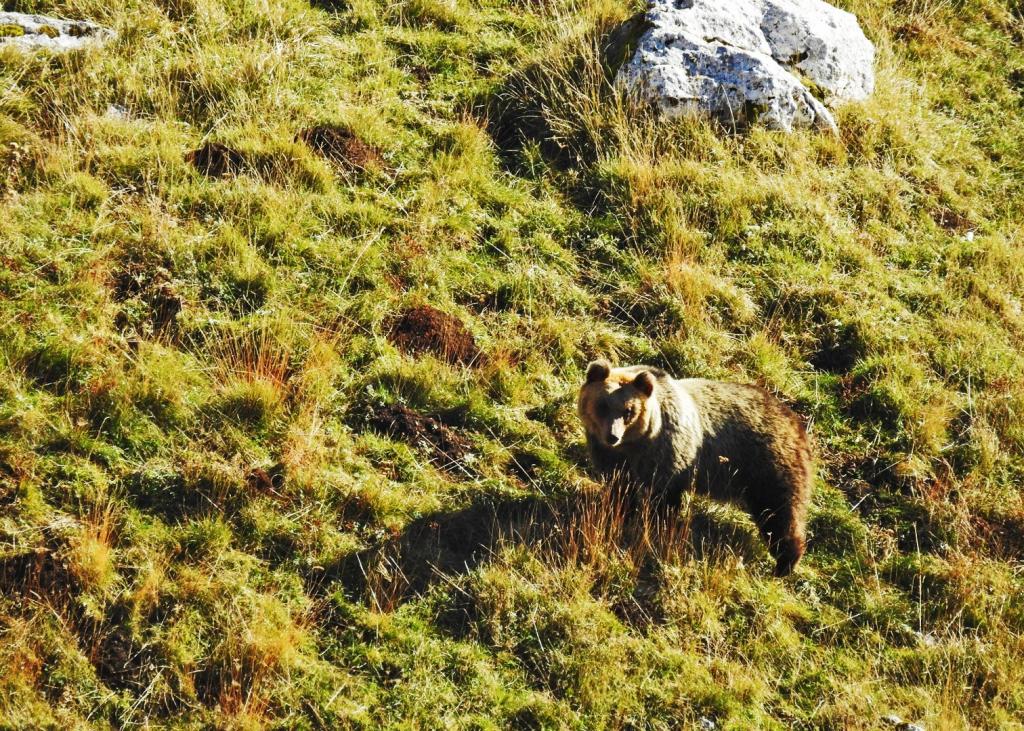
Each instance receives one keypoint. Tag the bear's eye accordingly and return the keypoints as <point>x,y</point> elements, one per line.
<point>630,413</point>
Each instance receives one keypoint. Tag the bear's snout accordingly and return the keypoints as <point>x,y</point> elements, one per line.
<point>615,431</point>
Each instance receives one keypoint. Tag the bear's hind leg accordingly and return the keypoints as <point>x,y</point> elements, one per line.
<point>782,529</point>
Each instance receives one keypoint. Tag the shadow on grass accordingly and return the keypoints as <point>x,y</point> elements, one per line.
<point>595,529</point>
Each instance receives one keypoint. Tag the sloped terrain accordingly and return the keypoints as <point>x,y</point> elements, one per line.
<point>295,296</point>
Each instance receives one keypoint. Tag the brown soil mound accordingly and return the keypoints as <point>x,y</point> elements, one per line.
<point>43,575</point>
<point>216,160</point>
<point>38,573</point>
<point>401,422</point>
<point>425,329</point>
<point>340,145</point>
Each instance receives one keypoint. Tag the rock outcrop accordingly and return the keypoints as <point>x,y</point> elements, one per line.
<point>24,31</point>
<point>778,62</point>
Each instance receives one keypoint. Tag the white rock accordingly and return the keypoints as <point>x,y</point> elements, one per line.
<point>825,43</point>
<point>735,59</point>
<point>116,111</point>
<point>54,34</point>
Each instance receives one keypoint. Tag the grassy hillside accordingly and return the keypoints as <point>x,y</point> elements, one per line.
<point>294,299</point>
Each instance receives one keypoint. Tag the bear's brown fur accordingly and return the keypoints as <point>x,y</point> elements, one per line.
<point>733,442</point>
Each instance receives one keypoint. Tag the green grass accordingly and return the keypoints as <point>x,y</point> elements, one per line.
<point>200,525</point>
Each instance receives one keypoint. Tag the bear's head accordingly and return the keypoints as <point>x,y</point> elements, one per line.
<point>617,405</point>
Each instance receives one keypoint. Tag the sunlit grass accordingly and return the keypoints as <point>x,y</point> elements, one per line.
<point>203,521</point>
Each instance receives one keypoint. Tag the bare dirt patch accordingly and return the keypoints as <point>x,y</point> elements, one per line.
<point>1003,536</point>
<point>425,329</point>
<point>216,160</point>
<point>40,573</point>
<point>342,146</point>
<point>444,443</point>
<point>152,286</point>
<point>951,220</point>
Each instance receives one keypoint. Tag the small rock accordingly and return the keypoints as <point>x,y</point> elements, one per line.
<point>27,32</point>
<point>116,111</point>
<point>911,727</point>
<point>707,724</point>
<point>892,719</point>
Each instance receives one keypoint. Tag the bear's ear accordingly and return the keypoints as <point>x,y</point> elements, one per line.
<point>599,370</point>
<point>644,383</point>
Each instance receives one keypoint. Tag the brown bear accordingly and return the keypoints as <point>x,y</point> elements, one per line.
<point>733,442</point>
